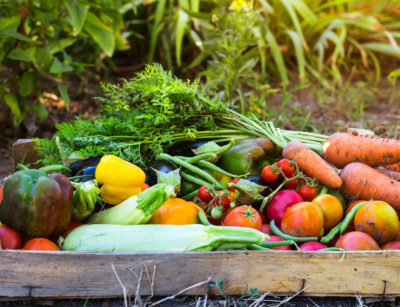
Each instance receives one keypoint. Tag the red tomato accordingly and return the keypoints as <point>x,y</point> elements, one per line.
<point>234,180</point>
<point>308,193</point>
<point>9,238</point>
<point>222,201</point>
<point>204,194</point>
<point>287,169</point>
<point>244,216</point>
<point>40,244</point>
<point>72,225</point>
<point>268,175</point>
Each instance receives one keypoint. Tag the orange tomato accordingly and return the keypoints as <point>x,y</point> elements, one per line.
<point>176,211</point>
<point>40,244</point>
<point>332,209</point>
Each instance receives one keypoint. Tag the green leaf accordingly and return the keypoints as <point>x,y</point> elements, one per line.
<point>43,59</point>
<point>19,54</point>
<point>27,83</point>
<point>60,44</point>
<point>78,13</point>
<point>17,35</point>
<point>277,55</point>
<point>387,49</point>
<point>2,54</point>
<point>12,103</point>
<point>100,33</point>
<point>58,67</point>
<point>299,51</point>
<point>157,26</point>
<point>183,20</point>
<point>10,24</point>
<point>291,11</point>
<point>40,110</point>
<point>63,89</point>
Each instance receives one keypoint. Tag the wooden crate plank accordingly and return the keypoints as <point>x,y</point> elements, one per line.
<point>66,275</point>
<point>23,150</point>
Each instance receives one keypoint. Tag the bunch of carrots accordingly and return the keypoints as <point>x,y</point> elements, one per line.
<point>363,167</point>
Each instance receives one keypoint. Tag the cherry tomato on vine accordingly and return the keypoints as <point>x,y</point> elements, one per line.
<point>222,201</point>
<point>268,174</point>
<point>204,194</point>
<point>292,184</point>
<point>287,169</point>
<point>308,193</point>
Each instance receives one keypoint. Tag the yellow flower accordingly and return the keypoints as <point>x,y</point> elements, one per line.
<point>238,5</point>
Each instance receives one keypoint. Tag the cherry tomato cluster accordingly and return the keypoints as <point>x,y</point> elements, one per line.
<point>286,168</point>
<point>217,203</point>
<point>271,173</point>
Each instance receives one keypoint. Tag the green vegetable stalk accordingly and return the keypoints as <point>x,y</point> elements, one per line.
<point>160,238</point>
<point>84,200</point>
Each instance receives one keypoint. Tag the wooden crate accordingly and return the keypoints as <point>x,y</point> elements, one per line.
<point>28,274</point>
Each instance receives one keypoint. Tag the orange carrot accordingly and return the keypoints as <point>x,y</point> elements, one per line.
<point>361,181</point>
<point>393,175</point>
<point>393,167</point>
<point>312,164</point>
<point>341,149</point>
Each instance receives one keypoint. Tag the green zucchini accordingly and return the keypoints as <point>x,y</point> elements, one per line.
<point>159,238</point>
<point>137,209</point>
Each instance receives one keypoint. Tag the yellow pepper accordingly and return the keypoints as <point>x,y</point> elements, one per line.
<point>120,179</point>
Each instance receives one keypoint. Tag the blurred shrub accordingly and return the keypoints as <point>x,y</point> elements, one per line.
<point>43,40</point>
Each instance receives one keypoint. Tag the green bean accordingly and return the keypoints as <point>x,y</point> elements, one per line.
<point>191,168</point>
<point>346,221</point>
<point>275,244</point>
<point>190,195</point>
<point>210,166</point>
<point>258,247</point>
<point>334,249</point>
<point>285,236</point>
<point>79,177</point>
<point>53,168</point>
<point>202,217</point>
<point>204,156</point>
<point>331,234</point>
<point>193,179</point>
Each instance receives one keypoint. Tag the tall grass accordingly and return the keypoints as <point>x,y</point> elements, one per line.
<point>317,39</point>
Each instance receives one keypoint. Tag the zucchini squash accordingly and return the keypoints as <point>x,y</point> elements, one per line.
<point>159,238</point>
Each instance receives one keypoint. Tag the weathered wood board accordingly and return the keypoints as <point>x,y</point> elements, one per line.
<point>27,274</point>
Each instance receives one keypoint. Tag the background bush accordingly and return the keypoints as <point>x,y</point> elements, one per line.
<point>243,49</point>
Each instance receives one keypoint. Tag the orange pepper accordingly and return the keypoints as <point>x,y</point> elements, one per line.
<point>176,211</point>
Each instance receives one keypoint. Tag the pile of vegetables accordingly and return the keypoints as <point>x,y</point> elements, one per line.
<point>244,184</point>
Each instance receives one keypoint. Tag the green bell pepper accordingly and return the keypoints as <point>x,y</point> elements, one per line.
<point>84,199</point>
<point>36,203</point>
<point>245,156</point>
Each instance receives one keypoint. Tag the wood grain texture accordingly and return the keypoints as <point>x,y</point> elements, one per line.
<point>25,274</point>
